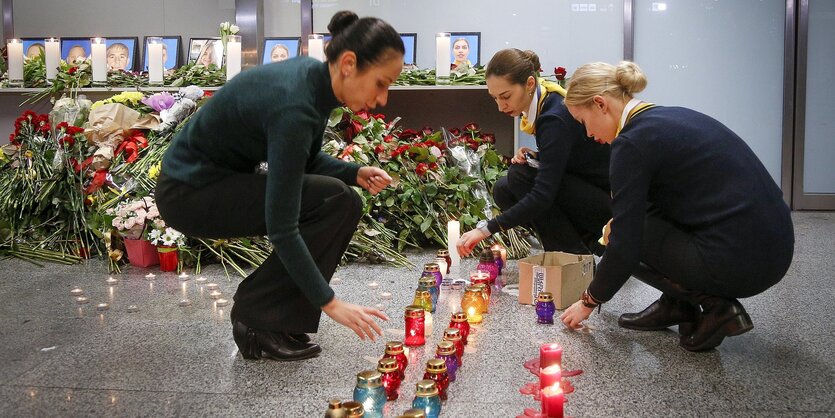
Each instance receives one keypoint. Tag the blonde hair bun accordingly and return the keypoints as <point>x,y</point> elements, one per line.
<point>630,77</point>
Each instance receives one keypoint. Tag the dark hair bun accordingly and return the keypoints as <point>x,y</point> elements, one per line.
<point>341,20</point>
<point>531,57</point>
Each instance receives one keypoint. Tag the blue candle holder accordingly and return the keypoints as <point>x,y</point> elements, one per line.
<point>427,399</point>
<point>370,393</point>
<point>545,308</point>
<point>427,283</point>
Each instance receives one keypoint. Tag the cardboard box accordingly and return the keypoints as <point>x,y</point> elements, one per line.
<point>563,274</point>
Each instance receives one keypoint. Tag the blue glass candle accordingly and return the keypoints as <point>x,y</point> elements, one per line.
<point>435,270</point>
<point>428,284</point>
<point>426,398</point>
<point>370,393</point>
<point>446,352</point>
<point>545,308</point>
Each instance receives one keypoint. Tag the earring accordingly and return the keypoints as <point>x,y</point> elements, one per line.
<point>530,93</point>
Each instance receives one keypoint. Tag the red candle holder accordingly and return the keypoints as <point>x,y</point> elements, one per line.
<point>552,401</point>
<point>459,320</point>
<point>415,326</point>
<point>391,377</point>
<point>549,376</point>
<point>168,257</point>
<point>394,349</point>
<point>436,371</point>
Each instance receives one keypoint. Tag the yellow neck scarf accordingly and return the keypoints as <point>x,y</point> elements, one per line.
<point>545,88</point>
<point>635,110</point>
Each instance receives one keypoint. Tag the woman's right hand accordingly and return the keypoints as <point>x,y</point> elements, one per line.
<point>520,158</point>
<point>358,318</point>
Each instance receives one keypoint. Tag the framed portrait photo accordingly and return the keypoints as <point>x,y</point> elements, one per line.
<point>205,51</point>
<point>466,48</point>
<point>32,47</point>
<point>280,49</point>
<point>75,48</point>
<point>170,52</point>
<point>122,53</point>
<point>410,44</point>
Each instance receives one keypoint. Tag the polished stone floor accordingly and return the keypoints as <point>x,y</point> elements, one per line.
<point>148,356</point>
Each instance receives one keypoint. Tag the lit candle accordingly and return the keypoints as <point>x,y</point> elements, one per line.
<point>442,62</point>
<point>81,300</point>
<point>201,280</point>
<point>550,376</point>
<point>212,286</point>
<point>502,251</point>
<point>316,47</point>
<point>155,64</point>
<point>385,295</point>
<point>215,294</point>
<point>183,276</point>
<point>550,354</point>
<point>102,307</point>
<point>373,285</point>
<point>221,302</point>
<point>111,280</point>
<point>52,57</point>
<point>98,53</point>
<point>15,48</point>
<point>552,401</point>
<point>77,292</point>
<point>184,302</point>
<point>150,276</point>
<point>133,308</point>
<point>233,56</point>
<point>453,235</point>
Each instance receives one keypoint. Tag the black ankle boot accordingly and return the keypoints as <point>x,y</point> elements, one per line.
<point>300,337</point>
<point>662,314</point>
<point>720,318</point>
<point>246,340</point>
<point>281,346</point>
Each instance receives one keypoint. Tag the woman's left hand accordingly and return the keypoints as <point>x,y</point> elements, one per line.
<point>576,314</point>
<point>373,179</point>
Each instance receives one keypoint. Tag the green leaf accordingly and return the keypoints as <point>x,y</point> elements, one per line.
<point>336,116</point>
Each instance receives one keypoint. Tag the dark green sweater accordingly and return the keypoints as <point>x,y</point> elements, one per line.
<point>274,113</point>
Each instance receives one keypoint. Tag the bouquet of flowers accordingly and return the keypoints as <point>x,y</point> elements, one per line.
<point>136,219</point>
<point>166,236</point>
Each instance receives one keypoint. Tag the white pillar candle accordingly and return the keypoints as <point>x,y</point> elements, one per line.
<point>442,59</point>
<point>98,52</point>
<point>316,47</point>
<point>155,64</point>
<point>15,48</point>
<point>453,234</point>
<point>52,56</point>
<point>233,56</point>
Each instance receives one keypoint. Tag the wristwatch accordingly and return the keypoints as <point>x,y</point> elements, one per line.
<point>588,301</point>
<point>482,226</point>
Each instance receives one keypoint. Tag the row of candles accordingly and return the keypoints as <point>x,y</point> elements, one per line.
<point>375,387</point>
<point>98,55</point>
<point>550,379</point>
<point>315,48</point>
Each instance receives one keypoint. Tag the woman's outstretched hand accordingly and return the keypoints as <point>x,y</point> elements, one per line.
<point>373,179</point>
<point>358,318</point>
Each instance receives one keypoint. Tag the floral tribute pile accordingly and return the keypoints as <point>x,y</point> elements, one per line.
<point>79,182</point>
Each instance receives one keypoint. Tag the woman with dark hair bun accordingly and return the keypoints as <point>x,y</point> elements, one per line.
<point>566,197</point>
<point>209,187</point>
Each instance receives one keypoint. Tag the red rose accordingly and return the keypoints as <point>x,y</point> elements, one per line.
<point>67,140</point>
<point>74,130</point>
<point>471,127</point>
<point>433,166</point>
<point>363,114</point>
<point>13,139</point>
<point>407,134</point>
<point>560,73</point>
<point>421,169</point>
<point>72,70</point>
<point>426,131</point>
<point>74,164</point>
<point>455,131</point>
<point>379,148</point>
<point>489,138</point>
<point>388,138</point>
<point>380,116</point>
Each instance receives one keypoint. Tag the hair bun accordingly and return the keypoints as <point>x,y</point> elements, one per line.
<point>630,77</point>
<point>340,21</point>
<point>533,59</point>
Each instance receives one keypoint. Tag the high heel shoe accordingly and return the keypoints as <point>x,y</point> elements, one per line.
<point>720,318</point>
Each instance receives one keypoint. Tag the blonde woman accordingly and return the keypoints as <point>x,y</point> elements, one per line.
<point>695,213</point>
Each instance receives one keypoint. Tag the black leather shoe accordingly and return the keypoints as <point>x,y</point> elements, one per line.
<point>280,346</point>
<point>300,337</point>
<point>246,340</point>
<point>662,314</point>
<point>720,318</point>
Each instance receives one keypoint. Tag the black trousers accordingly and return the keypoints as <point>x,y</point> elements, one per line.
<point>575,220</point>
<point>268,299</point>
<point>673,252</point>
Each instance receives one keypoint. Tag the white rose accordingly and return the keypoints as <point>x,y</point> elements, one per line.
<point>234,29</point>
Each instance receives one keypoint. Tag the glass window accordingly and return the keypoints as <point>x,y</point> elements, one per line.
<point>819,147</point>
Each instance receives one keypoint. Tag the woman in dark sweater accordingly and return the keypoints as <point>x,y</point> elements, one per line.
<point>567,198</point>
<point>696,214</point>
<point>277,113</point>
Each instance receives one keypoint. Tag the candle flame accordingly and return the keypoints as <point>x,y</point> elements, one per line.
<point>552,390</point>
